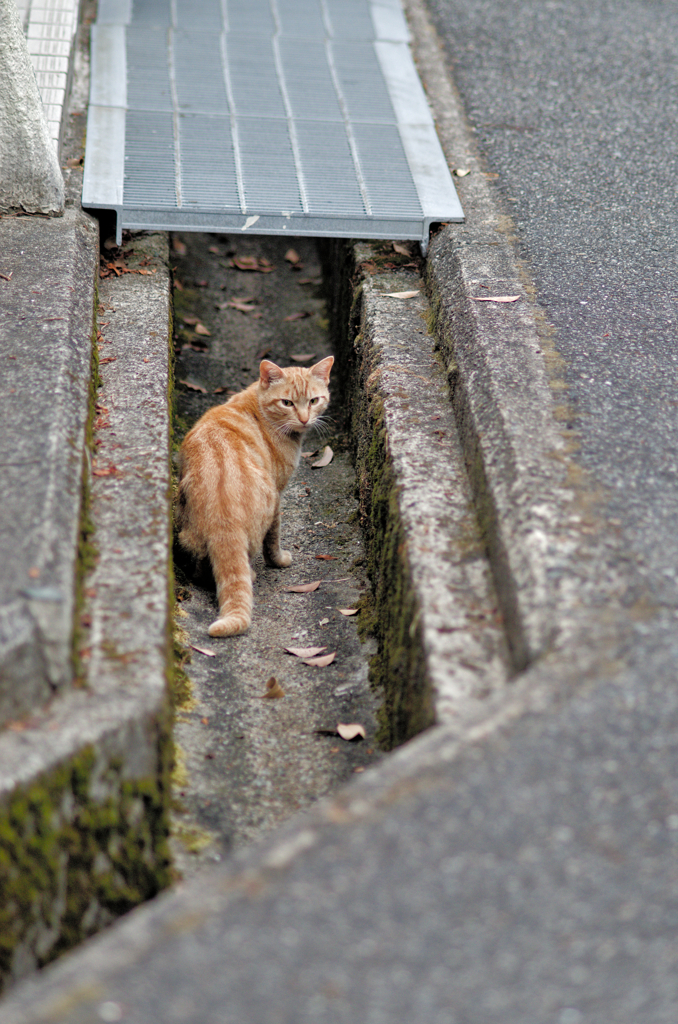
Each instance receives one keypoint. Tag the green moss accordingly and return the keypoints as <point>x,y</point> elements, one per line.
<point>390,612</point>
<point>398,669</point>
<point>194,839</point>
<point>87,550</point>
<point>70,863</point>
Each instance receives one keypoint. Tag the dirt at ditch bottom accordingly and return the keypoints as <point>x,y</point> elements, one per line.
<point>246,763</point>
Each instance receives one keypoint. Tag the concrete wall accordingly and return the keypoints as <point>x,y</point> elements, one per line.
<point>30,176</point>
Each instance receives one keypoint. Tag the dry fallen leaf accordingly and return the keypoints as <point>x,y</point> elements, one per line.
<point>215,249</point>
<point>324,659</point>
<point>323,622</point>
<point>303,588</point>
<point>495,298</point>
<point>178,246</point>
<point>461,172</point>
<point>242,305</point>
<point>348,611</point>
<point>324,459</point>
<point>326,558</point>
<point>292,256</point>
<point>401,249</point>
<point>351,731</point>
<point>303,315</point>
<point>259,264</point>
<point>201,329</point>
<point>274,690</point>
<point>190,320</point>
<point>302,357</point>
<point>402,295</point>
<point>203,650</point>
<point>194,387</point>
<point>305,652</point>
<point>307,455</point>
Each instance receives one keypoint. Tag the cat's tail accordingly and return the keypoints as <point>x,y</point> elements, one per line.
<point>233,576</point>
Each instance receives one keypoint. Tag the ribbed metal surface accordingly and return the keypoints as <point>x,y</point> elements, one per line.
<point>299,116</point>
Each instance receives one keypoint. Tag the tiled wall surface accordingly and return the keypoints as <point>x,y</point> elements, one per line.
<point>50,27</point>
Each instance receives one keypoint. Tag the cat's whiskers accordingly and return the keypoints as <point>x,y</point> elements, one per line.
<point>323,426</point>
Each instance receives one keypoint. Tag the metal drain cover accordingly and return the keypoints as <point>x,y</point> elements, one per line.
<point>304,117</point>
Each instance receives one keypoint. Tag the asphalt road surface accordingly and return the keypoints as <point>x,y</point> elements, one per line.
<point>574,106</point>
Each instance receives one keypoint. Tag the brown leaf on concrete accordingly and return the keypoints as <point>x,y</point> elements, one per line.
<point>201,329</point>
<point>320,662</point>
<point>348,611</point>
<point>178,247</point>
<point>351,730</point>
<point>203,650</point>
<point>302,315</point>
<point>194,387</point>
<point>274,690</point>
<point>326,558</point>
<point>242,305</point>
<point>305,652</point>
<point>324,459</point>
<point>302,357</point>
<point>403,250</point>
<point>495,298</point>
<point>292,256</point>
<point>252,263</point>
<point>302,588</point>
<point>190,320</point>
<point>402,295</point>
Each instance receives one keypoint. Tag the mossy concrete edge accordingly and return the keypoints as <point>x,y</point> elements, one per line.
<point>85,780</point>
<point>441,649</point>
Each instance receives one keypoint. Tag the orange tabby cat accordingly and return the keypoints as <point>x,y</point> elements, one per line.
<point>234,465</point>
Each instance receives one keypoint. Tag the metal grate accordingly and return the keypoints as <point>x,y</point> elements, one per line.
<point>277,116</point>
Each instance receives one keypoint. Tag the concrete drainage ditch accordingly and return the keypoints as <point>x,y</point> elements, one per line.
<point>387,527</point>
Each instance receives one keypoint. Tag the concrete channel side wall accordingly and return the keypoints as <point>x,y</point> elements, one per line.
<point>441,645</point>
<point>84,777</point>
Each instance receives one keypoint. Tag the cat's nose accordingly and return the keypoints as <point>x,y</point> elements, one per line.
<point>303,418</point>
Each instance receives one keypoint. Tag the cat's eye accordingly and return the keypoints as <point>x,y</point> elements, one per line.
<point>314,400</point>
<point>287,402</point>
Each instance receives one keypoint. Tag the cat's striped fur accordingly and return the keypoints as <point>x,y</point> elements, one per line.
<point>234,465</point>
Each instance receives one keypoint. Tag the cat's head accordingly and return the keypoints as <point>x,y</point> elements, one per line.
<point>294,398</point>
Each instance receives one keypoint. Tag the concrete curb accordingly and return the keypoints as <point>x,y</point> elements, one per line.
<point>84,779</point>
<point>555,562</point>
<point>86,755</point>
<point>46,344</point>
<point>442,651</point>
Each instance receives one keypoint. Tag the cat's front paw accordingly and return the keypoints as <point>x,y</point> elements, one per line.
<point>284,559</point>
<point>229,625</point>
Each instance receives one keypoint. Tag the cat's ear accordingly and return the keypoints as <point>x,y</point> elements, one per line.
<point>269,373</point>
<point>322,369</point>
